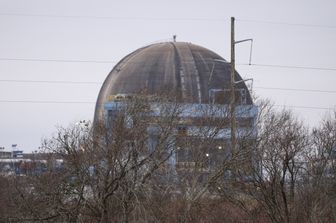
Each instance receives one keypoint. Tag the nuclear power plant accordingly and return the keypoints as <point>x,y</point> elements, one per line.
<point>200,81</point>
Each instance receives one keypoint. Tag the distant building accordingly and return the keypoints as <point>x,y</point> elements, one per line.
<point>16,162</point>
<point>5,154</point>
<point>14,153</point>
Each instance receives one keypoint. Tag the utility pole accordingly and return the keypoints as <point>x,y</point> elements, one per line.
<point>233,97</point>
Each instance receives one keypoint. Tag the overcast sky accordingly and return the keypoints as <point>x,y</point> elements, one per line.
<point>81,40</point>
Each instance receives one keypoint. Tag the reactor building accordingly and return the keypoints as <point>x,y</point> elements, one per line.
<point>200,80</point>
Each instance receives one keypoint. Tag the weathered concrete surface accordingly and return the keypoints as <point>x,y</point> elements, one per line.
<point>184,68</point>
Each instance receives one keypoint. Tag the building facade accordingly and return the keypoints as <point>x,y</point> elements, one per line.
<point>199,81</point>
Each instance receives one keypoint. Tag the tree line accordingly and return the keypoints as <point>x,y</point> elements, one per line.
<point>144,168</point>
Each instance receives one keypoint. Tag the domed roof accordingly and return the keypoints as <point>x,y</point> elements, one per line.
<point>187,69</point>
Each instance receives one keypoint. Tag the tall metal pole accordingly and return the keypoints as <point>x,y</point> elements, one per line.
<point>233,99</point>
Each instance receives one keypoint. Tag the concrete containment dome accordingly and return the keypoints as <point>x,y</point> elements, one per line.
<point>193,72</point>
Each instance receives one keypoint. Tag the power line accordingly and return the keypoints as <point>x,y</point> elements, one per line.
<point>72,61</point>
<point>287,23</point>
<point>99,83</point>
<point>112,17</point>
<point>291,67</point>
<point>295,89</point>
<point>166,18</point>
<point>56,60</point>
<point>91,102</point>
<point>52,82</point>
<point>109,62</point>
<point>46,102</point>
<point>304,107</point>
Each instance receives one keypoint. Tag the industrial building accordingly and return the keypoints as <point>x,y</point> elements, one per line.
<point>200,81</point>
<point>15,162</point>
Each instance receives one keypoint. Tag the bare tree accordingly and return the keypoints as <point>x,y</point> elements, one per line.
<point>154,161</point>
<point>108,170</point>
<point>317,194</point>
<point>278,157</point>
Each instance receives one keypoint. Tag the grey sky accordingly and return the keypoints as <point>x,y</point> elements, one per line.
<point>109,30</point>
